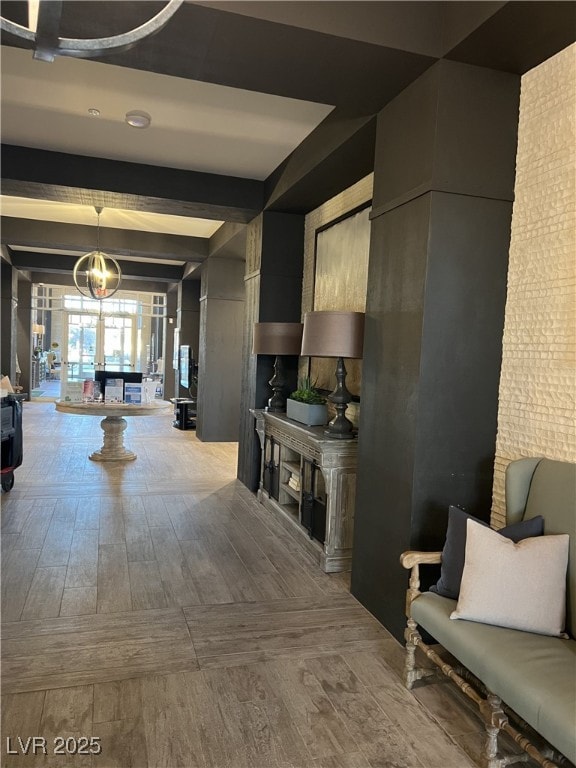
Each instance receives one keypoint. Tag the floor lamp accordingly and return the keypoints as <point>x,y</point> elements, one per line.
<point>339,335</point>
<point>277,339</point>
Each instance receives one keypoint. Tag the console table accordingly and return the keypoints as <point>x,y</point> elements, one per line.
<point>113,424</point>
<point>308,481</point>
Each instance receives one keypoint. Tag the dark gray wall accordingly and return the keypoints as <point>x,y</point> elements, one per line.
<point>274,264</point>
<point>220,350</point>
<point>24,331</point>
<point>442,208</point>
<point>8,309</point>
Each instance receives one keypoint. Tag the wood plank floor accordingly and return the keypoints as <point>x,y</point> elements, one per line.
<point>156,606</point>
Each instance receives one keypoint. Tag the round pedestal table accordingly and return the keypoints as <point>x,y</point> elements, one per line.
<point>113,424</point>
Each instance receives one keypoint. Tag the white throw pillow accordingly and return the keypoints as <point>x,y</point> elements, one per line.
<point>521,586</point>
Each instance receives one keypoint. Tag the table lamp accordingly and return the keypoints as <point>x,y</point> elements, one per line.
<point>340,335</point>
<point>277,339</point>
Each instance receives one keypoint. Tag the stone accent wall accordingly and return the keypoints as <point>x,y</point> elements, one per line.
<point>537,415</point>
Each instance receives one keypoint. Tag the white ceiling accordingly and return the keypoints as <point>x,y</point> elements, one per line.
<point>195,126</point>
<point>116,218</point>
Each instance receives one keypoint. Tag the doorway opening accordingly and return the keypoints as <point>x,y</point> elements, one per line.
<point>73,336</point>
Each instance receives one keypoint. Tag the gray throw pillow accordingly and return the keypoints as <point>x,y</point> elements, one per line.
<point>454,551</point>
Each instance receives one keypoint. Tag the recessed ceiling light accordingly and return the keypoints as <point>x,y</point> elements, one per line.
<point>138,119</point>
<point>93,112</point>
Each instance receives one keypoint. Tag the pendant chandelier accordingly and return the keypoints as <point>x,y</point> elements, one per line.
<point>42,35</point>
<point>96,274</point>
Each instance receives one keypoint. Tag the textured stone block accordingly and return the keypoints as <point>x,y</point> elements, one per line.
<point>537,401</point>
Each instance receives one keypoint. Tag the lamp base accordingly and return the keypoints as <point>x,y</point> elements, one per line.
<point>340,428</point>
<point>340,436</point>
<point>277,403</point>
<point>277,408</point>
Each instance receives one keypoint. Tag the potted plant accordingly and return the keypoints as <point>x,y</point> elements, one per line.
<point>307,405</point>
<point>54,350</point>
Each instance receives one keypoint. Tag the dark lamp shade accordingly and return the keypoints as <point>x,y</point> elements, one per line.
<point>333,334</point>
<point>277,338</point>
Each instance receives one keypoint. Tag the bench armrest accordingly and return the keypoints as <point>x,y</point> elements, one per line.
<point>413,560</point>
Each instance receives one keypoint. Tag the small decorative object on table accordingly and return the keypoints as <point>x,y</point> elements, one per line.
<point>307,405</point>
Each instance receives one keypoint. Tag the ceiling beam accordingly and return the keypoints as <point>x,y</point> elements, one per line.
<point>338,154</point>
<point>59,264</point>
<point>131,284</point>
<point>214,46</point>
<point>41,174</point>
<point>518,37</point>
<point>35,234</point>
<point>229,241</point>
<point>413,26</point>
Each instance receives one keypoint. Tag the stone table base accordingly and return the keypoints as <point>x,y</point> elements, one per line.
<point>113,448</point>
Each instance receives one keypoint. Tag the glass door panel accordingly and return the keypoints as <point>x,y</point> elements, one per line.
<point>119,346</point>
<point>81,348</point>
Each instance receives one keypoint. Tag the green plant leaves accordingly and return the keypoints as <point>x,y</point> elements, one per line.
<point>307,393</point>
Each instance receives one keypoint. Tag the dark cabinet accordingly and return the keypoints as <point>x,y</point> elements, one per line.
<point>184,413</point>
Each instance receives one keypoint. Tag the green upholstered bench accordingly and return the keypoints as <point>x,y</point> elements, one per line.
<point>516,676</point>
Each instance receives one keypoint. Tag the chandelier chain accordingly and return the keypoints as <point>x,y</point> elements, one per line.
<point>98,212</point>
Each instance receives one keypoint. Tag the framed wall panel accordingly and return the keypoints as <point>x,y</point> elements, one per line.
<point>340,278</point>
<point>324,222</point>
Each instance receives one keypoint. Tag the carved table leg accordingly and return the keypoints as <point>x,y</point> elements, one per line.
<point>113,447</point>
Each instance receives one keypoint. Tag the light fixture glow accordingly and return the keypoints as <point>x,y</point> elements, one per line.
<point>96,274</point>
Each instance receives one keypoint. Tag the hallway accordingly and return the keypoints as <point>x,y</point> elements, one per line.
<point>157,607</point>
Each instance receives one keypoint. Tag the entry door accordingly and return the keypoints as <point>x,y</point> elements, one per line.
<point>120,343</point>
<point>96,342</point>
<point>82,334</point>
